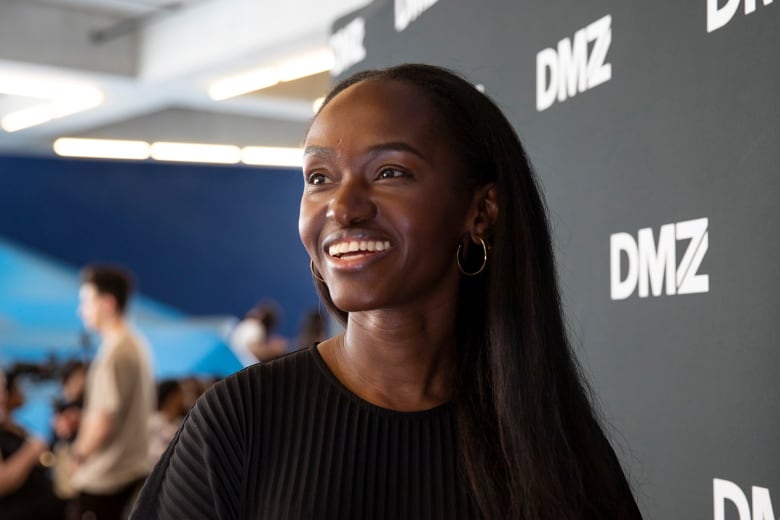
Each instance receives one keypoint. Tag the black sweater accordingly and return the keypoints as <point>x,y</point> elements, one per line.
<point>286,440</point>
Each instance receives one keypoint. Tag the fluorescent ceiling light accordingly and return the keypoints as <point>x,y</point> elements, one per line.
<point>272,156</point>
<point>193,152</point>
<point>296,68</point>
<point>317,104</point>
<point>101,148</point>
<point>62,99</point>
<point>21,119</point>
<point>84,99</point>
<point>243,84</point>
<point>308,65</point>
<point>37,87</point>
<point>180,152</point>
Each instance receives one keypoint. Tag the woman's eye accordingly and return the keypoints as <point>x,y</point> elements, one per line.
<point>391,173</point>
<point>316,178</point>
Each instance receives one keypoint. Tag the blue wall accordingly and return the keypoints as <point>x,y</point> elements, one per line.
<point>203,239</point>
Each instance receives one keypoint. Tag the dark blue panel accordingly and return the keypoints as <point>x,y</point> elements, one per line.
<point>205,239</point>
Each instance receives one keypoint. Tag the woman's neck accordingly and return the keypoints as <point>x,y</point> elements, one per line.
<point>403,361</point>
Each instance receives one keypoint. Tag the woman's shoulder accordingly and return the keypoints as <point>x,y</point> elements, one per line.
<point>250,384</point>
<point>230,410</point>
<point>280,367</point>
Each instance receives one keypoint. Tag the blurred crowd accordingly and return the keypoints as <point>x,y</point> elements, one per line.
<point>255,338</point>
<point>88,456</point>
<point>36,466</point>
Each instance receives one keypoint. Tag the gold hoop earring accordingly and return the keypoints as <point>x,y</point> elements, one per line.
<point>484,258</point>
<point>314,272</point>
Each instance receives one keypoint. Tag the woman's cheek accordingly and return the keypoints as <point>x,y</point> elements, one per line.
<point>308,226</point>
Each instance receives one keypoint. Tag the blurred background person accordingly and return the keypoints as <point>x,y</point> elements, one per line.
<point>272,345</point>
<point>192,388</point>
<point>111,449</point>
<point>14,397</point>
<point>312,329</point>
<point>74,378</point>
<point>25,488</point>
<point>166,420</point>
<point>67,418</point>
<point>245,335</point>
<point>254,338</point>
<point>68,406</point>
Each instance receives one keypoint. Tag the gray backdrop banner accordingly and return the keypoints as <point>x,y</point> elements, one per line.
<point>650,124</point>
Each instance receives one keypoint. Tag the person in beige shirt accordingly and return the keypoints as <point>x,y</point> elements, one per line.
<point>110,450</point>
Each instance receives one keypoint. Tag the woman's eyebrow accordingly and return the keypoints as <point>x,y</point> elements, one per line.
<point>396,146</point>
<point>319,150</point>
<point>393,146</point>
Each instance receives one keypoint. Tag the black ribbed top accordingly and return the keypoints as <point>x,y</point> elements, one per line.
<point>285,439</point>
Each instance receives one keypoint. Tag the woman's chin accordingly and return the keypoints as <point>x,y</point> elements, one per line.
<point>351,303</point>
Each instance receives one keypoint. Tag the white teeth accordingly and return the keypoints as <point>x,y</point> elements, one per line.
<point>355,246</point>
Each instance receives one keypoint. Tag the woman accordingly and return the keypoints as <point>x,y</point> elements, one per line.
<point>452,392</point>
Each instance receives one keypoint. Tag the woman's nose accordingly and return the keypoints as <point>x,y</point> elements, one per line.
<point>351,203</point>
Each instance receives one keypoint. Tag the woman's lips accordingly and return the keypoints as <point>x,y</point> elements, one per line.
<point>357,247</point>
<point>355,254</point>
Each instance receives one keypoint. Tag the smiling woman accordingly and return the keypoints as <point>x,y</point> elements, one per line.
<point>378,170</point>
<point>452,392</point>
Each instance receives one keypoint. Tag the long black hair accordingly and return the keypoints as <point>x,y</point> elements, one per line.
<point>529,441</point>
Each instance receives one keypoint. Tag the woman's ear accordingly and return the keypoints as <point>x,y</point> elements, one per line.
<point>484,208</point>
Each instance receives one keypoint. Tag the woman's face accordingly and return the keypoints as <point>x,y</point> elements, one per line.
<point>384,203</point>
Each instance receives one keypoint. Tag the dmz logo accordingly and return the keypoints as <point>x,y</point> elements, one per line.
<point>725,490</point>
<point>652,262</point>
<point>571,68</point>
<point>347,45</point>
<point>717,17</point>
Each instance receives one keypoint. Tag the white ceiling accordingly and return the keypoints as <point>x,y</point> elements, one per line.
<point>154,60</point>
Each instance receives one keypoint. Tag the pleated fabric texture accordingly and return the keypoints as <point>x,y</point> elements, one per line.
<point>286,439</point>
